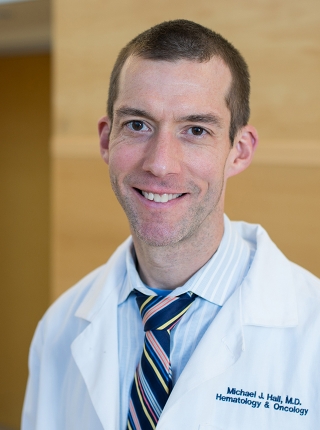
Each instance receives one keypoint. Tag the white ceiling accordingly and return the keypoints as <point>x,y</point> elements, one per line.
<point>24,26</point>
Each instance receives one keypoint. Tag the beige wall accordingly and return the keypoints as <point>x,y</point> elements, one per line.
<point>24,219</point>
<point>284,200</point>
<point>279,38</point>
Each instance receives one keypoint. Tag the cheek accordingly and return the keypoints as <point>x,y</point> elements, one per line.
<point>208,168</point>
<point>123,159</point>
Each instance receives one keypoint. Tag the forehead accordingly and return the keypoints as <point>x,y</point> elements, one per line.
<point>172,84</point>
<point>214,70</point>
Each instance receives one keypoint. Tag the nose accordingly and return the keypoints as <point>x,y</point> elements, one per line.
<point>163,156</point>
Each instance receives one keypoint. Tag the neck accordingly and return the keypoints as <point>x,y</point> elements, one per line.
<point>169,267</point>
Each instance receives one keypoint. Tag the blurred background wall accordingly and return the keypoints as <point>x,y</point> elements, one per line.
<point>24,217</point>
<point>25,116</point>
<point>280,40</point>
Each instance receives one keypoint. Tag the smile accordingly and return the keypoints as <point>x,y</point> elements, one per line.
<point>160,198</point>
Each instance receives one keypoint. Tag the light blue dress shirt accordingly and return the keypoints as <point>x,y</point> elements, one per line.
<point>214,283</point>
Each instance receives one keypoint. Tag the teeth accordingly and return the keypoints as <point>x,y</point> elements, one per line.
<point>160,198</point>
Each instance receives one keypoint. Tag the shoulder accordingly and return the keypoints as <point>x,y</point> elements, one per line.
<point>75,307</point>
<point>66,305</point>
<point>275,288</point>
<point>308,291</point>
<point>263,246</point>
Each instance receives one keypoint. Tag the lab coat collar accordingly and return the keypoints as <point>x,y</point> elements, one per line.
<point>268,293</point>
<point>268,296</point>
<point>109,281</point>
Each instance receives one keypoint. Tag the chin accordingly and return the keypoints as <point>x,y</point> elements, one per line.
<point>159,235</point>
<point>156,240</point>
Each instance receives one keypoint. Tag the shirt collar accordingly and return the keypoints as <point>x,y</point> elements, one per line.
<point>215,281</point>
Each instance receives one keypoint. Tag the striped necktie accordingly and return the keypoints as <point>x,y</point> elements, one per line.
<point>152,382</point>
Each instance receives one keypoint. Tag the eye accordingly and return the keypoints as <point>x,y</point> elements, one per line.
<point>197,131</point>
<point>137,125</point>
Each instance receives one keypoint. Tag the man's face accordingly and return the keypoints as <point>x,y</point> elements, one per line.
<point>168,150</point>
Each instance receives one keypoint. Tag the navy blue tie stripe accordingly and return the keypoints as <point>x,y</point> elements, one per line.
<point>152,383</point>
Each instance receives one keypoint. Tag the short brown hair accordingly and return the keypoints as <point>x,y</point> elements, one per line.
<point>187,40</point>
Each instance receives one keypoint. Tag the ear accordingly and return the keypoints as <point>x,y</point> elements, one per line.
<point>104,128</point>
<point>241,154</point>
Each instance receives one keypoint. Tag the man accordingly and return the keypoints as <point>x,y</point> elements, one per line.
<point>240,350</point>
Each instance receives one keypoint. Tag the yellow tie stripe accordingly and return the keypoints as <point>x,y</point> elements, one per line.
<point>174,318</point>
<point>165,386</point>
<point>142,403</point>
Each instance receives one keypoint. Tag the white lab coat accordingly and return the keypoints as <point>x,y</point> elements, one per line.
<point>265,341</point>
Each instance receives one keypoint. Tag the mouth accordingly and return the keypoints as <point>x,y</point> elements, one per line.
<point>159,198</point>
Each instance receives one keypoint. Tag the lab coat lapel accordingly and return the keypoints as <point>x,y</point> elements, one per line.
<point>95,350</point>
<point>219,349</point>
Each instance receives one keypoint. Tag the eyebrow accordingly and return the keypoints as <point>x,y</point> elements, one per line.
<point>196,118</point>
<point>204,118</point>
<point>128,111</point>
